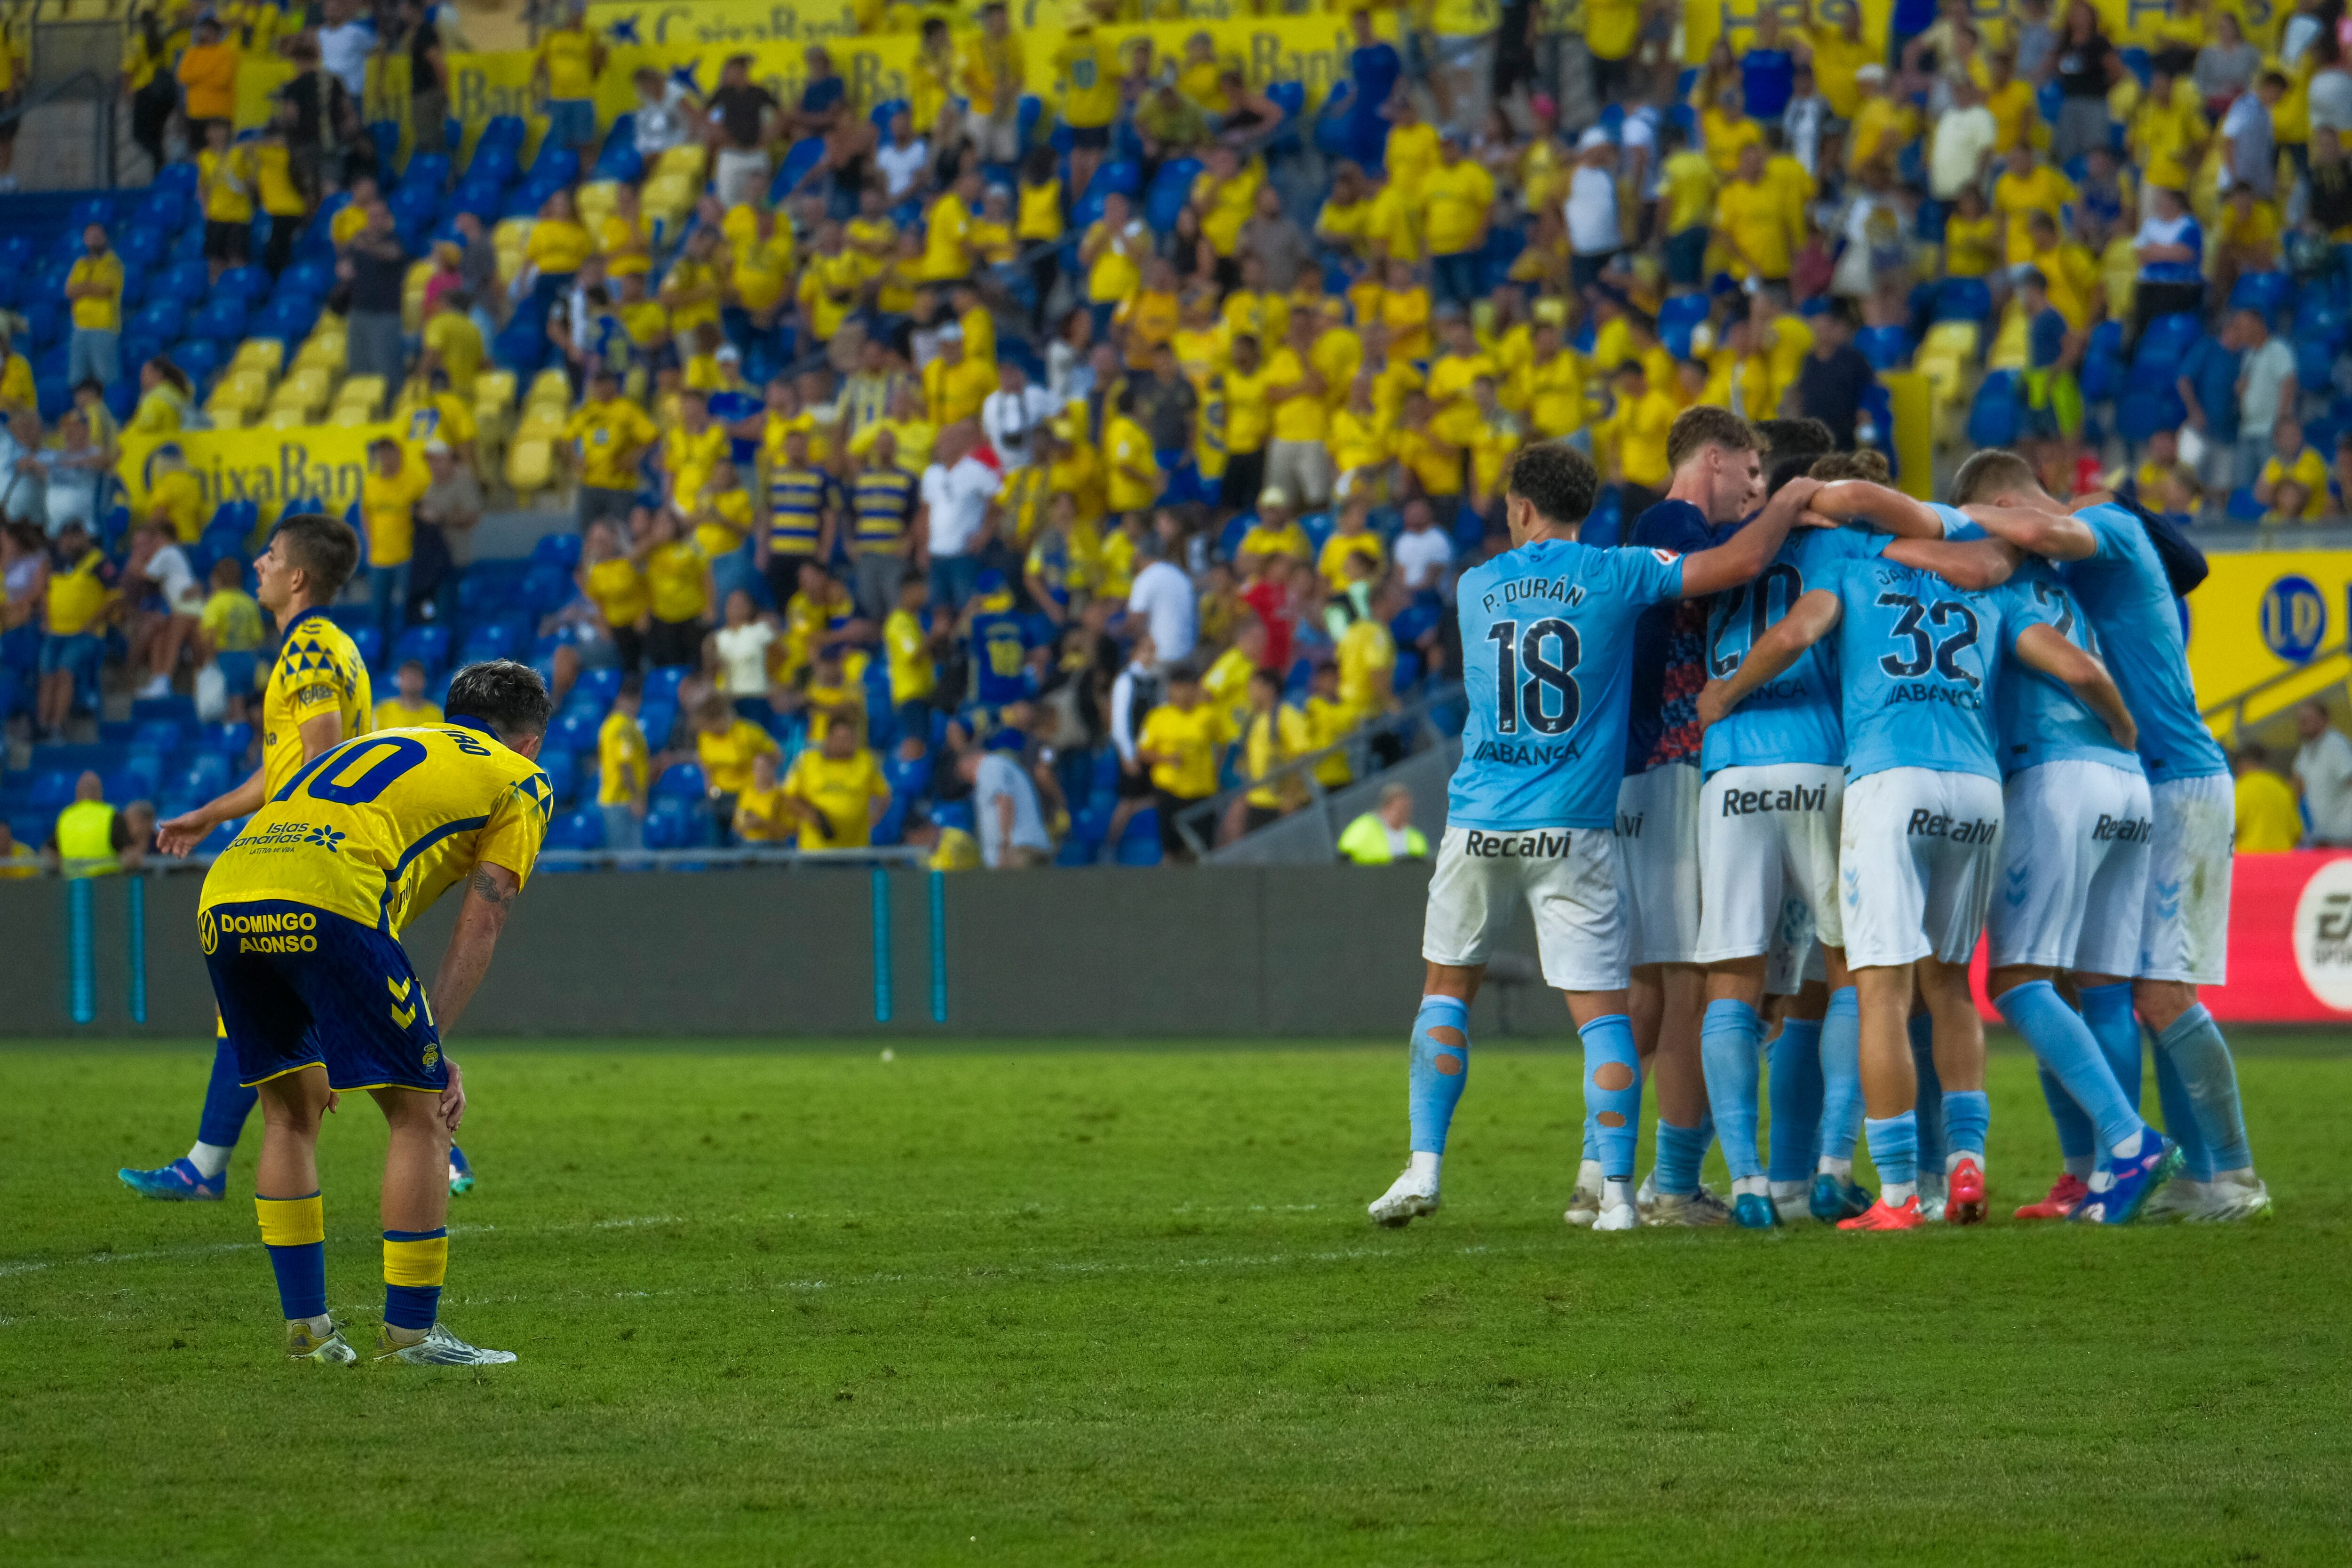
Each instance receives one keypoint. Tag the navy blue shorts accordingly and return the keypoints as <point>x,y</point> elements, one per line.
<point>298,987</point>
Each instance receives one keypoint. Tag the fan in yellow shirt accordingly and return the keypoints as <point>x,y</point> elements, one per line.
<point>2026,187</point>
<point>1224,196</point>
<point>410,706</point>
<point>1752,218</point>
<point>1361,439</point>
<point>1272,734</point>
<point>1553,386</point>
<point>837,790</point>
<point>1350,539</point>
<point>1457,198</point>
<point>1635,430</point>
<point>1180,742</point>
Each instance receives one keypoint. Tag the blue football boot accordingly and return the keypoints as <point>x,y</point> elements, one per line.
<point>1834,1199</point>
<point>178,1182</point>
<point>2120,1188</point>
<point>461,1175</point>
<point>1754,1211</point>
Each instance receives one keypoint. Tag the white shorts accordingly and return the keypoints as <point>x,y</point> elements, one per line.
<point>1657,822</point>
<point>2184,928</point>
<point>1568,877</point>
<point>1915,857</point>
<point>1767,860</point>
<point>2074,868</point>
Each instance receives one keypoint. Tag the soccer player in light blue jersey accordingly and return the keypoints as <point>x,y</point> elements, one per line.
<point>1769,822</point>
<point>1547,634</point>
<point>2111,565</point>
<point>1917,659</point>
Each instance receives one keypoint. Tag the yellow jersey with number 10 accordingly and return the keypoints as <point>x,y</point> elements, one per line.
<point>319,671</point>
<point>379,827</point>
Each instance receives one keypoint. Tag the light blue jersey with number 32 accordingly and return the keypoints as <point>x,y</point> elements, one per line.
<point>1547,647</point>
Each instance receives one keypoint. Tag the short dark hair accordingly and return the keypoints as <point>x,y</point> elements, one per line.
<point>1867,463</point>
<point>508,696</point>
<point>1556,480</point>
<point>1708,424</point>
<point>1989,473</point>
<point>323,547</point>
<point>1796,437</point>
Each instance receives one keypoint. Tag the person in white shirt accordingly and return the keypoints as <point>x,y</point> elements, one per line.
<point>1011,415</point>
<point>1594,234</point>
<point>1963,145</point>
<point>2323,774</point>
<point>1422,551</point>
<point>954,518</point>
<point>2266,388</point>
<point>903,157</point>
<point>1012,824</point>
<point>739,648</point>
<point>1163,599</point>
<point>1133,695</point>
<point>666,115</point>
<point>344,44</point>
<point>157,560</point>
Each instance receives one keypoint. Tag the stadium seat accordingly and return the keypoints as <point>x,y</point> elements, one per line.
<point>662,682</point>
<point>1886,348</point>
<point>1998,411</point>
<point>574,729</point>
<point>682,782</point>
<point>580,830</point>
<point>597,689</point>
<point>428,644</point>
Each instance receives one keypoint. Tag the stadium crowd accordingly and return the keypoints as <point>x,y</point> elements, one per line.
<point>1037,455</point>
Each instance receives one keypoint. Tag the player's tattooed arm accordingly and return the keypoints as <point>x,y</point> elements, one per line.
<point>2045,648</point>
<point>489,896</point>
<point>1813,617</point>
<point>1750,550</point>
<point>2055,535</point>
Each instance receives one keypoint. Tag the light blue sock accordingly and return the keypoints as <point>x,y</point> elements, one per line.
<point>1841,1076</point>
<point>2180,1119</point>
<point>2076,1148</point>
<point>1439,1070</point>
<point>2202,1057</point>
<point>1730,1051</point>
<point>1968,1113</point>
<point>1591,1138</point>
<point>2070,1052</point>
<point>1795,1091</point>
<point>2107,1009</point>
<point>1612,1092</point>
<point>1930,1104</point>
<point>1895,1147</point>
<point>1680,1151</point>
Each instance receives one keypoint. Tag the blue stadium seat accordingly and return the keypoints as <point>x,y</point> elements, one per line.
<point>673,824</point>
<point>2242,506</point>
<point>231,741</point>
<point>429,170</point>
<point>683,782</point>
<point>580,830</point>
<point>659,721</point>
<point>248,285</point>
<point>1169,189</point>
<point>414,206</point>
<point>1886,348</point>
<point>557,550</point>
<point>314,279</point>
<point>165,320</point>
<point>562,770</point>
<point>2167,339</point>
<point>661,683</point>
<point>2268,292</point>
<point>2141,412</point>
<point>222,320</point>
<point>1998,411</point>
<point>428,644</point>
<point>2315,363</point>
<point>599,687</point>
<point>1119,175</point>
<point>200,356</point>
<point>574,729</point>
<point>220,838</point>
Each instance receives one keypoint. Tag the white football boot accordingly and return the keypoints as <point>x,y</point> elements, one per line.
<point>1584,1203</point>
<point>1411,1196</point>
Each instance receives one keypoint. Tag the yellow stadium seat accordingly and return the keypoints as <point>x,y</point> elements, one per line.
<point>262,355</point>
<point>226,418</point>
<point>667,200</point>
<point>508,239</point>
<point>494,390</point>
<point>239,391</point>
<point>285,419</point>
<point>306,390</point>
<point>328,354</point>
<point>541,422</point>
<point>350,414</point>
<point>2011,348</point>
<point>596,201</point>
<point>681,162</point>
<point>412,295</point>
<point>531,465</point>
<point>1951,339</point>
<point>362,392</point>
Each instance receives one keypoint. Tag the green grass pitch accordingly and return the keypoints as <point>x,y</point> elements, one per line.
<point>1038,1305</point>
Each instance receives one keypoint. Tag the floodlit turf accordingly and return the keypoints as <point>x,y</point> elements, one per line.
<point>1123,1305</point>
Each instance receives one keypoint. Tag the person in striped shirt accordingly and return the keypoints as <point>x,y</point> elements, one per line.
<point>803,504</point>
<point>881,499</point>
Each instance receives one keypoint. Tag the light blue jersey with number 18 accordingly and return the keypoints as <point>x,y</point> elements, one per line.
<point>1918,658</point>
<point>1547,645</point>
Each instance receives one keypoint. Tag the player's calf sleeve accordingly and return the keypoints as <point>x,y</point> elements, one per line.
<point>227,1103</point>
<point>2194,1043</point>
<point>1612,1092</point>
<point>1441,1065</point>
<point>414,1263</point>
<point>2069,1051</point>
<point>1894,1149</point>
<point>1930,1104</point>
<point>1732,1060</point>
<point>1681,1150</point>
<point>1794,1092</point>
<point>2107,1009</point>
<point>2180,1119</point>
<point>294,1230</point>
<point>1591,1138</point>
<point>1968,1114</point>
<point>1842,1075</point>
<point>2076,1148</point>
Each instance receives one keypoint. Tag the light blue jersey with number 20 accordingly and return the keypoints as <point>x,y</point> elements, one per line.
<point>1547,645</point>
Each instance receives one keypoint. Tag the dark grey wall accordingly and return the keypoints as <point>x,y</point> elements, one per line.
<point>1245,951</point>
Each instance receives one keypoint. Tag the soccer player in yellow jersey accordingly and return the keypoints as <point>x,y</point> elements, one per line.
<point>318,695</point>
<point>299,923</point>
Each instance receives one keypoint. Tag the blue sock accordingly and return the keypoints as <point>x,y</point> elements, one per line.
<point>2107,1009</point>
<point>226,1103</point>
<point>1680,1151</point>
<point>1841,1076</point>
<point>1731,1052</point>
<point>2070,1052</point>
<point>1795,1089</point>
<point>1968,1113</point>
<point>2211,1080</point>
<point>293,1232</point>
<point>2180,1119</point>
<point>1895,1147</point>
<point>1612,1092</point>
<point>1929,1105</point>
<point>1439,1070</point>
<point>1591,1138</point>
<point>415,1262</point>
<point>2075,1144</point>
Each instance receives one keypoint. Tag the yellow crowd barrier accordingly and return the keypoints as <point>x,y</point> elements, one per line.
<point>268,467</point>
